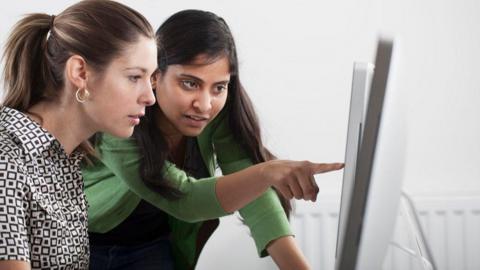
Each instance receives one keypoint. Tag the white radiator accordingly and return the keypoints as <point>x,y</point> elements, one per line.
<point>451,225</point>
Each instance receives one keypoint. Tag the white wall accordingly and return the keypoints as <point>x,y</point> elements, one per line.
<point>296,61</point>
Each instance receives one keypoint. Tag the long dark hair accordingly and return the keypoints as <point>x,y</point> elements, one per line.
<point>181,38</point>
<point>40,44</point>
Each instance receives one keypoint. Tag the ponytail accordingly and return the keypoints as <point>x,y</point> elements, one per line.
<point>26,75</point>
<point>39,46</point>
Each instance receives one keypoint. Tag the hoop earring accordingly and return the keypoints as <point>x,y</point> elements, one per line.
<point>82,97</point>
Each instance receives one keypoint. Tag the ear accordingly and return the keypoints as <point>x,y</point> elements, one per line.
<point>156,76</point>
<point>76,71</point>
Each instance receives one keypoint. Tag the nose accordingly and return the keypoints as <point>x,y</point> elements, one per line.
<point>147,98</point>
<point>203,101</point>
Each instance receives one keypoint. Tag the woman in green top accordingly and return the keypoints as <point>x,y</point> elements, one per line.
<point>204,118</point>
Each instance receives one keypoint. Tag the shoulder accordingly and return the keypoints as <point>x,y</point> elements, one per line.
<point>217,128</point>
<point>13,172</point>
<point>214,131</point>
<point>117,154</point>
<point>109,142</point>
<point>10,154</point>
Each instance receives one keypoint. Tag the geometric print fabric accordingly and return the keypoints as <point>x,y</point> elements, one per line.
<point>43,209</point>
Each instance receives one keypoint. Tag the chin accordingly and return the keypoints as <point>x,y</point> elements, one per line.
<point>125,133</point>
<point>192,132</point>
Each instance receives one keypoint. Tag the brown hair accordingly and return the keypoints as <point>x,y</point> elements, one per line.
<point>39,46</point>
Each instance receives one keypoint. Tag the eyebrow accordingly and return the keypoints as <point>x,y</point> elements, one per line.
<point>200,80</point>
<point>144,70</point>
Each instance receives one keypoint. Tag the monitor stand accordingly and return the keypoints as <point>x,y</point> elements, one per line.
<point>422,250</point>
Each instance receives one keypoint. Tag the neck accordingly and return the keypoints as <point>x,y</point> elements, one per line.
<point>62,120</point>
<point>173,137</point>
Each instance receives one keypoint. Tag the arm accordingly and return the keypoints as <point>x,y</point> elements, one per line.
<point>264,216</point>
<point>291,178</point>
<point>243,182</point>
<point>209,198</point>
<point>14,243</point>
<point>14,265</point>
<point>119,169</point>
<point>286,254</point>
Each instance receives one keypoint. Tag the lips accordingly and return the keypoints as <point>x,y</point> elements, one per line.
<point>196,121</point>
<point>138,115</point>
<point>197,118</point>
<point>135,118</point>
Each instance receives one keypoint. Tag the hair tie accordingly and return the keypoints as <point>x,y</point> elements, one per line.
<point>52,18</point>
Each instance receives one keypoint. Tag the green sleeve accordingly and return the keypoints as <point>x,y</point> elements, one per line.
<point>264,216</point>
<point>199,202</point>
<point>110,201</point>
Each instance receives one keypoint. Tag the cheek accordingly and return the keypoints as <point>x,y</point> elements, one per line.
<point>169,105</point>
<point>218,104</point>
<point>115,94</point>
<point>120,102</point>
<point>174,100</point>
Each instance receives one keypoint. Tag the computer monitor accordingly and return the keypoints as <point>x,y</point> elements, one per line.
<point>361,81</point>
<point>371,195</point>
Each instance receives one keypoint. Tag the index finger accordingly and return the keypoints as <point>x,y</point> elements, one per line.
<point>326,167</point>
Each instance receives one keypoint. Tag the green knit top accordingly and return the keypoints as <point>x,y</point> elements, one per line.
<point>114,189</point>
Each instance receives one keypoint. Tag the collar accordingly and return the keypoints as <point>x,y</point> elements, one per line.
<point>34,139</point>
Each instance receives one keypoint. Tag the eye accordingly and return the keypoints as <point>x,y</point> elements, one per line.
<point>189,84</point>
<point>221,88</point>
<point>134,78</point>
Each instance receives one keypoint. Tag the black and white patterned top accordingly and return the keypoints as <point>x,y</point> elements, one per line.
<point>43,209</point>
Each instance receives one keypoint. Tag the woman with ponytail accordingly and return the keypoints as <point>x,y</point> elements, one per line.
<point>66,77</point>
<point>143,211</point>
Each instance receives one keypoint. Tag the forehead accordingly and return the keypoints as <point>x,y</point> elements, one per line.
<point>205,68</point>
<point>141,54</point>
